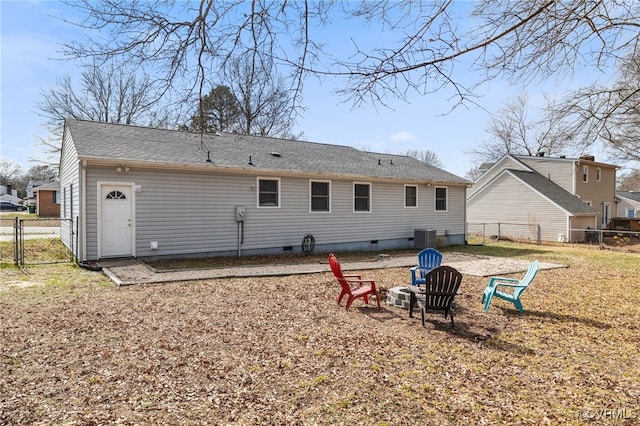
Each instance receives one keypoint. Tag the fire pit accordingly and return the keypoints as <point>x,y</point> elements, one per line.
<point>398,296</point>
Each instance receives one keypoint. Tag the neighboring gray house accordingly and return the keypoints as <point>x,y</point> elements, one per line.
<point>559,194</point>
<point>135,191</point>
<point>628,204</point>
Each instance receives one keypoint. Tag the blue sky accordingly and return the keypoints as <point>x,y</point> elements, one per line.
<point>31,44</point>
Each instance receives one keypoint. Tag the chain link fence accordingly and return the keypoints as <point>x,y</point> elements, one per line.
<point>479,233</point>
<point>7,246</point>
<point>31,241</point>
<point>610,237</point>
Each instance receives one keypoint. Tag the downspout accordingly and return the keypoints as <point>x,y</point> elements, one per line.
<point>466,230</point>
<point>574,182</point>
<point>83,210</point>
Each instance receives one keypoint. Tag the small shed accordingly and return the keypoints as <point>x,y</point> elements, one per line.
<point>47,202</point>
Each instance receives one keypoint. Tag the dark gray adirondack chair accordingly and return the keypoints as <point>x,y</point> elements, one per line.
<point>441,285</point>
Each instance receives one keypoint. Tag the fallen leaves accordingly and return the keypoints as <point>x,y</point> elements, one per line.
<point>277,350</point>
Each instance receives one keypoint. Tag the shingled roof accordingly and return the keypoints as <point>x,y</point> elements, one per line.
<point>553,192</point>
<point>125,143</point>
<point>631,195</point>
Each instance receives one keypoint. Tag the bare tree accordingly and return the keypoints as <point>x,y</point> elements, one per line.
<point>264,101</point>
<point>477,170</point>
<point>9,171</point>
<point>41,172</point>
<point>609,114</point>
<point>187,41</point>
<point>108,94</point>
<point>426,156</point>
<point>513,131</point>
<point>629,181</point>
<point>104,93</point>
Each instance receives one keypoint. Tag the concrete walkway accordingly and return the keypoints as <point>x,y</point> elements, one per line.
<point>132,271</point>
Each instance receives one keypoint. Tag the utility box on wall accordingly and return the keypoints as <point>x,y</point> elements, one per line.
<point>241,212</point>
<point>424,238</point>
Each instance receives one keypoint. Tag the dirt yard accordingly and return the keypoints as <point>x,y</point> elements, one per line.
<point>124,272</point>
<point>77,350</point>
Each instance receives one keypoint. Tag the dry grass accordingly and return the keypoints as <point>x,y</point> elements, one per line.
<point>78,350</point>
<point>39,250</point>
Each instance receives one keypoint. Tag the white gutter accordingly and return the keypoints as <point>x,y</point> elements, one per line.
<point>97,161</point>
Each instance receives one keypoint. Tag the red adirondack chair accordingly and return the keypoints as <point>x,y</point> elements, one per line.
<point>353,286</point>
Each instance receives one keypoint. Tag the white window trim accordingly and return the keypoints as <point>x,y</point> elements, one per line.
<point>258,179</point>
<point>405,196</point>
<point>598,174</point>
<point>311,182</point>
<point>589,203</point>
<point>435,200</point>
<point>353,198</point>
<point>585,174</point>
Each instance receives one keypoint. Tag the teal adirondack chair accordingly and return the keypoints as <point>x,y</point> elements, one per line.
<point>427,260</point>
<point>517,286</point>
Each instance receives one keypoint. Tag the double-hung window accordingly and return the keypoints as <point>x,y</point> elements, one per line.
<point>441,198</point>
<point>361,197</point>
<point>320,196</point>
<point>410,196</point>
<point>268,192</point>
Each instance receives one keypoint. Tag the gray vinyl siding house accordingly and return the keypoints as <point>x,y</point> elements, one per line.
<point>140,192</point>
<point>70,178</point>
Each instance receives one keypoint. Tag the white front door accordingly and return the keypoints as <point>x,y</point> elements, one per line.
<point>116,222</point>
